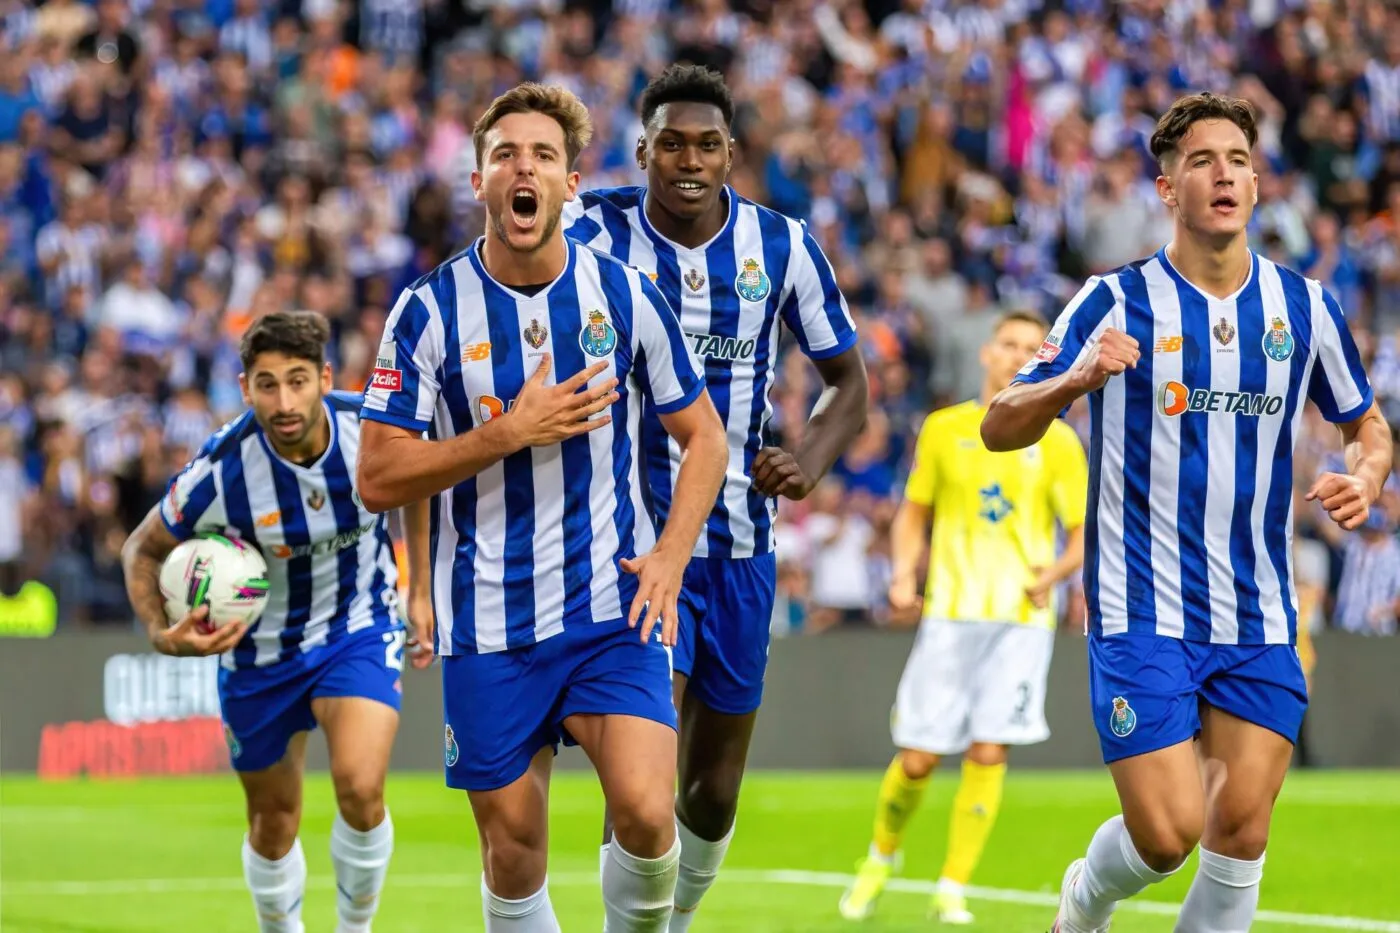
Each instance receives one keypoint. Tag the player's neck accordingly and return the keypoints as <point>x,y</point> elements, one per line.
<point>309,450</point>
<point>511,268</point>
<point>1215,270</point>
<point>686,232</point>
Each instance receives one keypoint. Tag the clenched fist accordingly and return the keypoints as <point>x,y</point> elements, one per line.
<point>1113,353</point>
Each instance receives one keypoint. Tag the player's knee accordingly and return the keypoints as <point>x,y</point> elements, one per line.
<point>514,853</point>
<point>360,798</point>
<point>273,822</point>
<point>709,800</point>
<point>1165,847</point>
<point>1239,832</point>
<point>917,765</point>
<point>645,823</point>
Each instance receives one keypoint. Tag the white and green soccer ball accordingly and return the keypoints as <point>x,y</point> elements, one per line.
<point>225,574</point>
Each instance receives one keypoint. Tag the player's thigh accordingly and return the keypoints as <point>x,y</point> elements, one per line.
<point>732,652</point>
<point>513,827</point>
<point>1008,707</point>
<point>273,796</point>
<point>1163,803</point>
<point>933,704</point>
<point>356,700</point>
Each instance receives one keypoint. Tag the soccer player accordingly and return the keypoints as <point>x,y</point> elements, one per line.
<point>975,681</point>
<point>1197,363</point>
<point>733,270</point>
<point>545,556</point>
<point>328,649</point>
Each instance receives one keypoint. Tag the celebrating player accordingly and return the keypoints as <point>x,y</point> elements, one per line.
<point>732,269</point>
<point>546,558</point>
<point>975,682</point>
<point>1197,363</point>
<point>328,649</point>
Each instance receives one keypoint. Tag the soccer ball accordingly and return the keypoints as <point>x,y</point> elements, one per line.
<point>226,574</point>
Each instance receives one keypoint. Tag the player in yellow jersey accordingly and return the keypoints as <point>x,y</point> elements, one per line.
<point>975,681</point>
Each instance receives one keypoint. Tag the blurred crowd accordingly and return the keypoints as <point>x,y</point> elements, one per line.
<point>171,169</point>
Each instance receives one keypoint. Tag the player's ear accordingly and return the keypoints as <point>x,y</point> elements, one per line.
<point>1165,191</point>
<point>571,181</point>
<point>327,380</point>
<point>243,387</point>
<point>642,153</point>
<point>476,185</point>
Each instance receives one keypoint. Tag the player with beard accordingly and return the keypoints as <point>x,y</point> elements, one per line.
<point>328,648</point>
<point>545,557</point>
<point>735,272</point>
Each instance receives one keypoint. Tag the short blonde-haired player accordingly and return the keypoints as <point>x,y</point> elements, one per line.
<point>975,681</point>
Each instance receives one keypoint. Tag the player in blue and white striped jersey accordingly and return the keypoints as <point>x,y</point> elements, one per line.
<point>545,554</point>
<point>328,648</point>
<point>736,272</point>
<point>1197,363</point>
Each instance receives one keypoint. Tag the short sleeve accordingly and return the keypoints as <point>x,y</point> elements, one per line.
<point>815,310</point>
<point>1069,475</point>
<point>578,226</point>
<point>673,376</point>
<point>403,389</point>
<point>1072,333</point>
<point>1339,385</point>
<point>922,486</point>
<point>190,497</point>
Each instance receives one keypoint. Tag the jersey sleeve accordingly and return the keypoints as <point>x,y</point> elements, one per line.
<point>192,497</point>
<point>403,389</point>
<point>1073,332</point>
<point>1069,475</point>
<point>577,224</point>
<point>815,310</point>
<point>922,485</point>
<point>1339,385</point>
<point>671,376</point>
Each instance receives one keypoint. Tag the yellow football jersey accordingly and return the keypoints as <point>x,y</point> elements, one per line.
<point>993,514</point>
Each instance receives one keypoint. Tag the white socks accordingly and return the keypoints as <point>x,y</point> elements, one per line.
<point>361,860</point>
<point>277,888</point>
<point>1113,871</point>
<point>1224,896</point>
<point>533,914</point>
<point>638,892</point>
<point>700,861</point>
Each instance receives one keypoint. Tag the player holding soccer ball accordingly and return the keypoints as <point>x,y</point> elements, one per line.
<point>328,647</point>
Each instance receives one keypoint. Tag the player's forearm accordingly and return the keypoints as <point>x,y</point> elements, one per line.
<point>838,416</point>
<point>1020,414</point>
<point>908,534</point>
<point>141,569</point>
<point>1369,450</point>
<point>697,487</point>
<point>417,539</point>
<point>399,469</point>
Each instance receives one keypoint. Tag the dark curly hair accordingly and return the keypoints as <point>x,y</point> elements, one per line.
<point>301,335</point>
<point>1177,121</point>
<point>691,84</point>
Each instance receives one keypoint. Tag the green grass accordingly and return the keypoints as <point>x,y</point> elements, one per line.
<point>74,856</point>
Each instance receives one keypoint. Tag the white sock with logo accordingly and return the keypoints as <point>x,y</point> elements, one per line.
<point>1224,896</point>
<point>361,861</point>
<point>277,887</point>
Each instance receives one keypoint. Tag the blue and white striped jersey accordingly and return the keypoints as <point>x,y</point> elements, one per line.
<point>730,294</point>
<point>531,544</point>
<point>330,563</point>
<point>1190,520</point>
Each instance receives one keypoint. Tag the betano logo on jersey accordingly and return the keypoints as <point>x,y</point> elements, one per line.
<point>329,546</point>
<point>1173,398</point>
<point>722,348</point>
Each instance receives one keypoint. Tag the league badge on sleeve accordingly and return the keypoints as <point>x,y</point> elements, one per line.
<point>753,283</point>
<point>1123,720</point>
<point>597,337</point>
<point>1278,342</point>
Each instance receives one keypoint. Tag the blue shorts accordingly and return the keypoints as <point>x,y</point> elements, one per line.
<point>503,707</point>
<point>1145,690</point>
<point>263,707</point>
<point>726,611</point>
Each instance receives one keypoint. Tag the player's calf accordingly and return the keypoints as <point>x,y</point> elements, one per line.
<point>274,866</point>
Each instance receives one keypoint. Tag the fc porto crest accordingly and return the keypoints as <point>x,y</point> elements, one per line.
<point>597,337</point>
<point>1123,720</point>
<point>535,334</point>
<point>1224,332</point>
<point>450,751</point>
<point>694,280</point>
<point>752,283</point>
<point>235,748</point>
<point>1278,342</point>
<point>316,500</point>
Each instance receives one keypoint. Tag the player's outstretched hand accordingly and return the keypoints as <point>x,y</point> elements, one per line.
<point>422,625</point>
<point>1113,353</point>
<point>1038,591</point>
<point>659,576</point>
<point>189,638</point>
<point>544,415</point>
<point>1346,498</point>
<point>777,473</point>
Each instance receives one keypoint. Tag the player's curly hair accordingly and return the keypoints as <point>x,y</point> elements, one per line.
<point>1177,121</point>
<point>691,84</point>
<point>301,335</point>
<point>558,103</point>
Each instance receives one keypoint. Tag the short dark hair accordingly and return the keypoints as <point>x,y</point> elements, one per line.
<point>691,84</point>
<point>301,335</point>
<point>1177,121</point>
<point>1020,317</point>
<point>558,103</point>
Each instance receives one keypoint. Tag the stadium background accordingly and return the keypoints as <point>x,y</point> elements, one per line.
<point>171,169</point>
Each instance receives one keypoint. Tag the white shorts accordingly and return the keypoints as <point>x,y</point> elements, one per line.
<point>969,682</point>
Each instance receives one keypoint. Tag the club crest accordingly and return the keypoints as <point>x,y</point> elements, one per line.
<point>450,750</point>
<point>535,334</point>
<point>752,283</point>
<point>1123,720</point>
<point>235,748</point>
<point>1223,332</point>
<point>694,280</point>
<point>597,337</point>
<point>1278,342</point>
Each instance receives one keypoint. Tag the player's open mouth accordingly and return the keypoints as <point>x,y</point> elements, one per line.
<point>287,426</point>
<point>524,207</point>
<point>1224,203</point>
<point>690,190</point>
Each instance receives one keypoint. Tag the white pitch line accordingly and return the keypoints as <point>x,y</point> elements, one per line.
<point>737,876</point>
